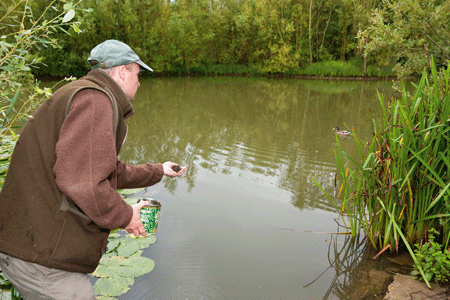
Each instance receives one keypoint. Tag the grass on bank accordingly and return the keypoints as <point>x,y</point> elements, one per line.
<point>397,189</point>
<point>350,69</point>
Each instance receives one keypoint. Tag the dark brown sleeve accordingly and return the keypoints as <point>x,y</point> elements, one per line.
<point>138,176</point>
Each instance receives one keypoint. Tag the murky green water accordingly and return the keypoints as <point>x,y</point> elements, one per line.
<point>247,221</point>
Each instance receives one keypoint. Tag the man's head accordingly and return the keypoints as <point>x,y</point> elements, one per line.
<point>120,62</point>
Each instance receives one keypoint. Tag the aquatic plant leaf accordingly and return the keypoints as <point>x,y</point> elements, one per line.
<point>113,286</point>
<point>131,200</point>
<point>113,261</point>
<point>124,267</point>
<point>105,298</point>
<point>129,191</point>
<point>128,247</point>
<point>113,244</point>
<point>146,241</point>
<point>137,266</point>
<point>103,271</point>
<point>110,254</point>
<point>137,254</point>
<point>114,235</point>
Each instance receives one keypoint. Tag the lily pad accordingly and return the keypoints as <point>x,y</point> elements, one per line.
<point>137,266</point>
<point>113,261</point>
<point>124,267</point>
<point>128,247</point>
<point>113,286</point>
<point>129,191</point>
<point>114,235</point>
<point>131,200</point>
<point>146,241</point>
<point>105,298</point>
<point>113,244</point>
<point>137,254</point>
<point>103,271</point>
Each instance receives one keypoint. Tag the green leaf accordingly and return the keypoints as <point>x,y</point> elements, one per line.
<point>146,241</point>
<point>113,261</point>
<point>128,247</point>
<point>113,286</point>
<point>138,266</point>
<point>124,267</point>
<point>103,271</point>
<point>132,200</point>
<point>105,298</point>
<point>68,5</point>
<point>76,28</point>
<point>129,191</point>
<point>112,244</point>
<point>114,234</point>
<point>69,16</point>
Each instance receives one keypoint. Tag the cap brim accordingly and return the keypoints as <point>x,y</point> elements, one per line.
<point>143,65</point>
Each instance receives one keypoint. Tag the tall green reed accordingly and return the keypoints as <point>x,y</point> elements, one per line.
<point>397,188</point>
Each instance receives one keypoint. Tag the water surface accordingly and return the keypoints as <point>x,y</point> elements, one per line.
<point>247,221</point>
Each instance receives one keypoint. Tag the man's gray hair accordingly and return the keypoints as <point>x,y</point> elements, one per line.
<point>109,71</point>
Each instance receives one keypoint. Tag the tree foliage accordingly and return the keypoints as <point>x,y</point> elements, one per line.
<point>229,36</point>
<point>408,33</point>
<point>257,36</point>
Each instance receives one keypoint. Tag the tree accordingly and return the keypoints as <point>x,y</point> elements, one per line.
<point>408,32</point>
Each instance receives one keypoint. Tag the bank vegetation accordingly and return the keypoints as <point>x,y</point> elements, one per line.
<point>337,38</point>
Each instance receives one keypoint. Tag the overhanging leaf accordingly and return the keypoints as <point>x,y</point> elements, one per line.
<point>69,16</point>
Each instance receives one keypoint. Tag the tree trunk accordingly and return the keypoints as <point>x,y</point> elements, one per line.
<point>310,32</point>
<point>365,65</point>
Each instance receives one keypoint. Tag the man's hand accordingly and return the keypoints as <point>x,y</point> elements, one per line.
<point>168,169</point>
<point>135,226</point>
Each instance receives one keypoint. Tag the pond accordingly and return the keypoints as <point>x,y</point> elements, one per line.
<point>247,220</point>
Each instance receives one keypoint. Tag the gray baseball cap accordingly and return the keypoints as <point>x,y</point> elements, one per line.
<point>112,53</point>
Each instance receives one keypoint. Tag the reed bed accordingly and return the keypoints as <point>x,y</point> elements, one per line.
<point>397,188</point>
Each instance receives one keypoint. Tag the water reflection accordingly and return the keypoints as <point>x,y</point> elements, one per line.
<point>278,130</point>
<point>355,274</point>
<point>252,147</point>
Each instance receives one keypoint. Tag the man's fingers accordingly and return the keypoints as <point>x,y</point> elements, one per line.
<point>140,204</point>
<point>139,231</point>
<point>183,169</point>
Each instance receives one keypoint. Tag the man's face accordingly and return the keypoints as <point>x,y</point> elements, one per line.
<point>131,80</point>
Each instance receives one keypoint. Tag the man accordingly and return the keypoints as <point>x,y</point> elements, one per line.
<point>59,200</point>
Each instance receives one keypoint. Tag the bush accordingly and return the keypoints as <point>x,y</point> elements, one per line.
<point>434,262</point>
<point>20,94</point>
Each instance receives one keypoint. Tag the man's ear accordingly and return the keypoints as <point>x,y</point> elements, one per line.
<point>122,72</point>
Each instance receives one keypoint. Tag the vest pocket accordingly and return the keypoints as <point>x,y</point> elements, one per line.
<point>80,242</point>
